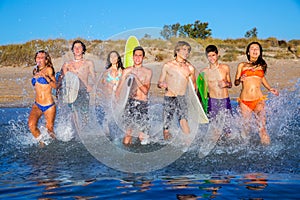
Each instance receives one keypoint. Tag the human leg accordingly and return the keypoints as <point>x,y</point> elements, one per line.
<point>184,126</point>
<point>182,112</point>
<point>246,113</point>
<point>168,115</point>
<point>33,120</point>
<point>128,137</point>
<point>261,122</point>
<point>50,115</point>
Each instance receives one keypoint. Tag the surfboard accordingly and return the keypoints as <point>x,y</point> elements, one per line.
<point>195,105</point>
<point>70,87</point>
<point>203,91</point>
<point>120,103</point>
<point>131,43</point>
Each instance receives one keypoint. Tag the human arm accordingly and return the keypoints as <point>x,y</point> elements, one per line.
<point>237,80</point>
<point>161,81</point>
<point>226,82</point>
<point>125,74</point>
<point>92,71</point>
<point>268,87</point>
<point>144,86</point>
<point>91,74</point>
<point>49,76</point>
<point>63,71</point>
<point>228,79</point>
<point>193,76</point>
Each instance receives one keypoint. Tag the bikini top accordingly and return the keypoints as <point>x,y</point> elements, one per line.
<point>40,80</point>
<point>109,78</point>
<point>249,72</point>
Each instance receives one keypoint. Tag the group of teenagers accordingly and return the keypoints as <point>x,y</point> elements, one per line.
<point>174,79</point>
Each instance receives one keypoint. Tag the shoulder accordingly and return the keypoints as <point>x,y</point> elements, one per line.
<point>242,64</point>
<point>67,63</point>
<point>147,69</point>
<point>49,71</point>
<point>89,62</point>
<point>191,67</point>
<point>205,69</point>
<point>224,67</point>
<point>168,64</point>
<point>127,70</point>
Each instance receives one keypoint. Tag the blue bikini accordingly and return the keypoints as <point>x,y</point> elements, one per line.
<point>109,78</point>
<point>41,80</point>
<point>44,108</point>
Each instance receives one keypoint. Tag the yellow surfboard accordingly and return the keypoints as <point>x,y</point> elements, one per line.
<point>131,43</point>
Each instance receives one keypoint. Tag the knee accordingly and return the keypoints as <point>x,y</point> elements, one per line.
<point>32,125</point>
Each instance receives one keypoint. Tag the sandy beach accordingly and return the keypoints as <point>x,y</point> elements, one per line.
<point>16,89</point>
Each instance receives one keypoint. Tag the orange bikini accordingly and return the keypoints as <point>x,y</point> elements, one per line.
<point>252,104</point>
<point>250,72</point>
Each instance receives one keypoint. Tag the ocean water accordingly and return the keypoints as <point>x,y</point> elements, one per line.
<point>80,168</point>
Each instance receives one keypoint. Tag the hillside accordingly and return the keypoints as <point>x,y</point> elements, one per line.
<point>17,61</point>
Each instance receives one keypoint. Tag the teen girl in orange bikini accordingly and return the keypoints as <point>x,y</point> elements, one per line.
<point>252,74</point>
<point>248,73</point>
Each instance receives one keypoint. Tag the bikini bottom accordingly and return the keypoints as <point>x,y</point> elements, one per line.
<point>252,104</point>
<point>44,108</point>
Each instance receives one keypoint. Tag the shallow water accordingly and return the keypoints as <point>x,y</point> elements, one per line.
<point>233,169</point>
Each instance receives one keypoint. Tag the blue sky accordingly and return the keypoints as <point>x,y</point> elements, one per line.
<point>25,20</point>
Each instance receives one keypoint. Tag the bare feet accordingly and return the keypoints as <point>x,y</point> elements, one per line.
<point>144,138</point>
<point>52,135</point>
<point>167,135</point>
<point>264,137</point>
<point>41,144</point>
<point>127,140</point>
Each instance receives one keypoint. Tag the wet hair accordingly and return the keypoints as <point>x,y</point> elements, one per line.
<point>139,48</point>
<point>119,62</point>
<point>260,61</point>
<point>48,61</point>
<point>82,44</point>
<point>211,48</point>
<point>179,45</point>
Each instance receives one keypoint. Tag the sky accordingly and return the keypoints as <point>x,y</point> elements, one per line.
<point>26,20</point>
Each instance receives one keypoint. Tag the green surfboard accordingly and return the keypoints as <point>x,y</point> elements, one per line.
<point>203,90</point>
<point>131,43</point>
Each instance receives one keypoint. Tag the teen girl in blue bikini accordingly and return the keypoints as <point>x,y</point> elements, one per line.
<point>108,83</point>
<point>43,81</point>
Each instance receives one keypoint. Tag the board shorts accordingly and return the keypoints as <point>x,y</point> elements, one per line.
<point>220,106</point>
<point>174,105</point>
<point>136,115</point>
<point>83,100</point>
<point>215,106</point>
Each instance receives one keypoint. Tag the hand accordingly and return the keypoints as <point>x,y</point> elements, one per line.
<point>242,78</point>
<point>163,85</point>
<point>222,84</point>
<point>274,91</point>
<point>89,88</point>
